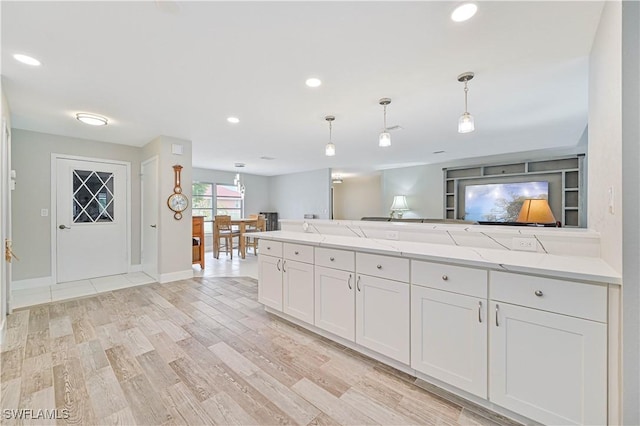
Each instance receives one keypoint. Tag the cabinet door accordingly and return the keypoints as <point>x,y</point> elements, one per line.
<point>449,338</point>
<point>382,316</point>
<point>270,281</point>
<point>334,301</point>
<point>298,290</point>
<point>549,367</point>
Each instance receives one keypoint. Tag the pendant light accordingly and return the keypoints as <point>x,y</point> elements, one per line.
<point>330,149</point>
<point>237,181</point>
<point>465,123</point>
<point>385,136</point>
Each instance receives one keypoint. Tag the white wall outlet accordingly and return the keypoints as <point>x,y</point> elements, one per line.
<point>176,149</point>
<point>524,244</point>
<point>391,235</point>
<point>44,212</point>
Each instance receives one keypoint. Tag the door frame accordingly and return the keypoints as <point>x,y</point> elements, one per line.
<point>6,186</point>
<point>155,158</point>
<point>54,198</point>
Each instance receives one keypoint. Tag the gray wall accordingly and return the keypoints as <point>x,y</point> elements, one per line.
<point>31,157</point>
<point>631,208</point>
<point>357,197</point>
<point>297,194</point>
<point>257,187</point>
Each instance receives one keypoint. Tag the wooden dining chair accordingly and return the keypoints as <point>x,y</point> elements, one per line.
<point>224,231</point>
<point>250,240</point>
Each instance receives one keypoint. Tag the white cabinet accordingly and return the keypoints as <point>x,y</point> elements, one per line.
<point>334,301</point>
<point>549,367</point>
<point>270,281</point>
<point>382,316</point>
<point>449,338</point>
<point>298,289</point>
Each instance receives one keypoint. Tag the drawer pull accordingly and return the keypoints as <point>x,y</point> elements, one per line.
<point>268,248</point>
<point>358,283</point>
<point>445,278</point>
<point>332,259</point>
<point>480,311</point>
<point>497,322</point>
<point>284,263</point>
<point>295,252</point>
<point>379,266</point>
<point>278,264</point>
<point>538,293</point>
<point>349,283</point>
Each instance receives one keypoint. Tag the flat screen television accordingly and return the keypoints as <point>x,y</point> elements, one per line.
<point>500,202</point>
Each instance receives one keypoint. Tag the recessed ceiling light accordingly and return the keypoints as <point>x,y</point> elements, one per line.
<point>92,119</point>
<point>464,12</point>
<point>234,120</point>
<point>313,82</point>
<point>26,60</point>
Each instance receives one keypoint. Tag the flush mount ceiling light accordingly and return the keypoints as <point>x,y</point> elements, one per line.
<point>92,119</point>
<point>234,120</point>
<point>330,149</point>
<point>313,82</point>
<point>28,60</point>
<point>464,12</point>
<point>337,179</point>
<point>385,136</point>
<point>465,123</point>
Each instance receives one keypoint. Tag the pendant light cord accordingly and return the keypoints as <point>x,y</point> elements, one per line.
<point>466,89</point>
<point>385,118</point>
<point>330,127</point>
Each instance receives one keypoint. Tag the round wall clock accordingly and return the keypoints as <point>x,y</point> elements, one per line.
<point>177,201</point>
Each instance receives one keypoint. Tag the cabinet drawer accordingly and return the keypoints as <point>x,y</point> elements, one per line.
<point>565,297</point>
<point>393,268</point>
<point>336,259</point>
<point>298,252</point>
<point>458,279</point>
<point>272,248</point>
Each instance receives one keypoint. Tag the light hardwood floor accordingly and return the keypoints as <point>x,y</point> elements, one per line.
<point>197,352</point>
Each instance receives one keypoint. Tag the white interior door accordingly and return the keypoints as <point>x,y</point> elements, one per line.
<point>5,219</point>
<point>149,191</point>
<point>91,214</point>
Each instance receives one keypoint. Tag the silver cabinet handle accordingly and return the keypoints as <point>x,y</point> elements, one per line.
<point>278,265</point>
<point>497,310</point>
<point>445,278</point>
<point>295,252</point>
<point>332,259</point>
<point>379,266</point>
<point>63,227</point>
<point>539,293</point>
<point>284,263</point>
<point>480,311</point>
<point>358,283</point>
<point>349,283</point>
<point>153,226</point>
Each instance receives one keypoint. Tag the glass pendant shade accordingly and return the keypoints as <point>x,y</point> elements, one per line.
<point>465,123</point>
<point>385,139</point>
<point>330,150</point>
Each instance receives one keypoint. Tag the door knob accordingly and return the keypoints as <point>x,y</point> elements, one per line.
<point>63,227</point>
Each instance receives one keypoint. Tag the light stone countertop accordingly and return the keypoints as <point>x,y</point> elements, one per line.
<point>550,265</point>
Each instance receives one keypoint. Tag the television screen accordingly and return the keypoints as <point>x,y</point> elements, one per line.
<point>500,202</point>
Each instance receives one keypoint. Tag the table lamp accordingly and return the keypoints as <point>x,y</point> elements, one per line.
<point>399,205</point>
<point>536,211</point>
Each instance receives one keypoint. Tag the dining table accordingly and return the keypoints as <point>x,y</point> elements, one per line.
<point>242,224</point>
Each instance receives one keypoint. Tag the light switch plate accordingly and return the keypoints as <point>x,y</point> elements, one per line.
<point>524,244</point>
<point>391,235</point>
<point>44,212</point>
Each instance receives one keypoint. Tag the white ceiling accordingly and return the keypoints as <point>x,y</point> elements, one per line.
<point>153,72</point>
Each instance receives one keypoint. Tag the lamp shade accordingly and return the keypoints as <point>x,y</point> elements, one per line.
<point>466,123</point>
<point>536,211</point>
<point>399,203</point>
<point>330,150</point>
<point>385,139</point>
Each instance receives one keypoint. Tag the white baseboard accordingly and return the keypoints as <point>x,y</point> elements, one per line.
<point>32,283</point>
<point>175,276</point>
<point>135,268</point>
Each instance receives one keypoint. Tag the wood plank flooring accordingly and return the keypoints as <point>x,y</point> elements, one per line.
<point>199,352</point>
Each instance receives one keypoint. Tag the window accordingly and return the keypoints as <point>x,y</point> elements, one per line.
<point>228,201</point>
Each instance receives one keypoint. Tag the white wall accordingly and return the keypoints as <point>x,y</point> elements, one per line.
<point>297,194</point>
<point>605,133</point>
<point>174,236</point>
<point>31,158</point>
<point>5,219</point>
<point>256,197</point>
<point>631,208</point>
<point>357,197</point>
